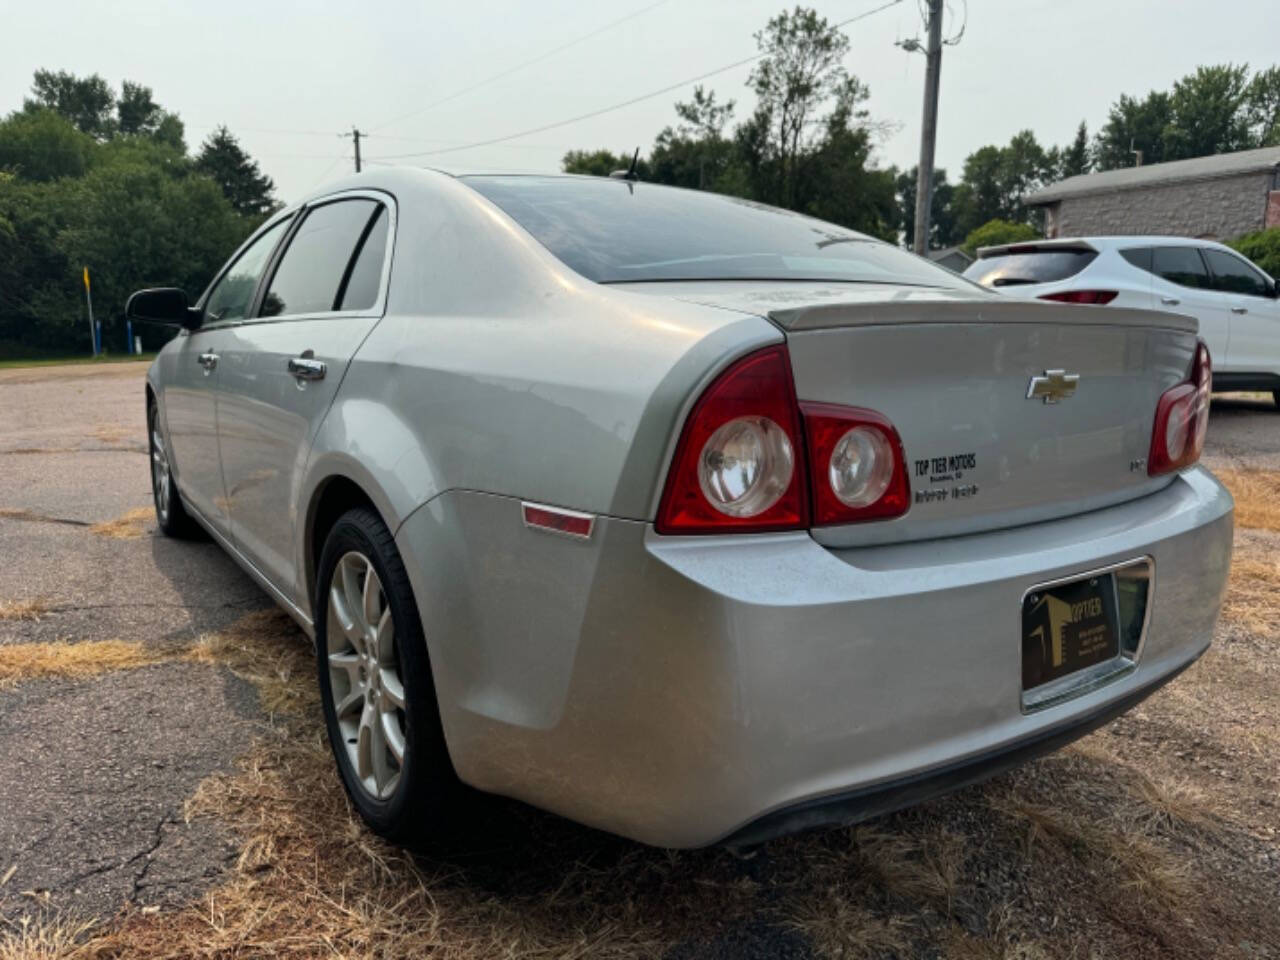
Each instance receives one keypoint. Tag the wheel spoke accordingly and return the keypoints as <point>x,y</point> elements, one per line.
<point>394,738</point>
<point>392,690</point>
<point>349,702</point>
<point>352,631</point>
<point>364,746</point>
<point>351,592</point>
<point>378,753</point>
<point>385,648</point>
<point>371,601</point>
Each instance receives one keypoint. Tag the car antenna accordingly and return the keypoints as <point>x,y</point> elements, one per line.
<point>630,173</point>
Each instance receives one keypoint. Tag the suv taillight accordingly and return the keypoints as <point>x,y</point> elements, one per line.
<point>742,459</point>
<point>1082,296</point>
<point>1182,418</point>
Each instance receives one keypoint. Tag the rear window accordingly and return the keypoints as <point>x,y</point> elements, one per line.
<point>1033,266</point>
<point>612,231</point>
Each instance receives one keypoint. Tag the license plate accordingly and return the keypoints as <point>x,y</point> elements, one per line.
<point>1068,627</point>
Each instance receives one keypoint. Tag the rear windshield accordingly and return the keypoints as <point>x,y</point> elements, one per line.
<point>1037,266</point>
<point>612,231</point>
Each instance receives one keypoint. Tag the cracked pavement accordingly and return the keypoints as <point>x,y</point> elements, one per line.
<point>97,771</point>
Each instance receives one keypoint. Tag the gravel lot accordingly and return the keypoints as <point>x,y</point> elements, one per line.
<point>1154,837</point>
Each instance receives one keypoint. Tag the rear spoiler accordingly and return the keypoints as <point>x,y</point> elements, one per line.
<point>1037,246</point>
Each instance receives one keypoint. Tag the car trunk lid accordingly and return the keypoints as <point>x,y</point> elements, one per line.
<point>953,371</point>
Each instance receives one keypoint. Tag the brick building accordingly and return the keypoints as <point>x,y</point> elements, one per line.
<point>1212,198</point>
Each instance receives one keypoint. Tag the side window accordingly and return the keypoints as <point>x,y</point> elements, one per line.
<point>312,269</point>
<point>361,291</point>
<point>231,298</point>
<point>1180,265</point>
<point>1233,275</point>
<point>1140,257</point>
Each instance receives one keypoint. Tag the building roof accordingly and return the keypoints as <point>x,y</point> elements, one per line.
<point>1155,174</point>
<point>947,252</point>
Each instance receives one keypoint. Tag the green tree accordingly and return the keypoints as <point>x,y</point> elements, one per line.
<point>1263,107</point>
<point>942,214</point>
<point>1134,125</point>
<point>86,101</point>
<point>996,232</point>
<point>40,144</point>
<point>1208,113</point>
<point>801,72</point>
<point>1075,158</point>
<point>1262,247</point>
<point>249,190</point>
<point>601,163</point>
<point>997,178</point>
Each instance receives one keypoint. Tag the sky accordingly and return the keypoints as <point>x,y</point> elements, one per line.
<point>289,77</point>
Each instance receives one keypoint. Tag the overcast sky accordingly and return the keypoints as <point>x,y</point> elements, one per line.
<point>288,77</point>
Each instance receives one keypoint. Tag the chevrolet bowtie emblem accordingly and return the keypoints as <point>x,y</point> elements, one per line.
<point>1052,386</point>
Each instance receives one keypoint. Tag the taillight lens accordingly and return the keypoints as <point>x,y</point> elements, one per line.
<point>1182,419</point>
<point>857,466</point>
<point>739,465</point>
<point>1082,296</point>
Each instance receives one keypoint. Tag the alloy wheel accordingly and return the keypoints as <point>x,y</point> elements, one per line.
<point>365,684</point>
<point>161,480</point>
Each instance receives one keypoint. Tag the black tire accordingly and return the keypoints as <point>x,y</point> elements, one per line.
<point>171,516</point>
<point>1275,394</point>
<point>420,807</point>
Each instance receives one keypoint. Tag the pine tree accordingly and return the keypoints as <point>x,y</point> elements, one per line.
<point>248,189</point>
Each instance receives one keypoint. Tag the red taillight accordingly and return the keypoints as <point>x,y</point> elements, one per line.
<point>1182,419</point>
<point>740,465</point>
<point>1082,296</point>
<point>743,463</point>
<point>856,463</point>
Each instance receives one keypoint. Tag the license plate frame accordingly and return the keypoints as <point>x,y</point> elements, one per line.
<point>1101,616</point>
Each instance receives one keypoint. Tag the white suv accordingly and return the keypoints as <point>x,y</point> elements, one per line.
<point>1235,302</point>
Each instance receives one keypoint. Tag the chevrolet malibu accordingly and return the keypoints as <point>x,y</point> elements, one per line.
<point>685,517</point>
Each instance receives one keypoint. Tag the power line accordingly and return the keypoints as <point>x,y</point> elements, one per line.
<point>617,106</point>
<point>520,66</point>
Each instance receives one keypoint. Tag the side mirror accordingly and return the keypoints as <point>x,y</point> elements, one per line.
<point>164,305</point>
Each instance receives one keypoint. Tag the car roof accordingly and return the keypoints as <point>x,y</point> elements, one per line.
<point>1096,243</point>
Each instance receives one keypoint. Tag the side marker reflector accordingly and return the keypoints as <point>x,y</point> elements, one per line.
<point>568,523</point>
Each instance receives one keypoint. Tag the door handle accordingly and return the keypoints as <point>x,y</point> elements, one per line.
<point>1170,301</point>
<point>208,361</point>
<point>1239,309</point>
<point>304,368</point>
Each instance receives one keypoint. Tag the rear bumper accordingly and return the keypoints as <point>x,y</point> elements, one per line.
<point>863,803</point>
<point>682,691</point>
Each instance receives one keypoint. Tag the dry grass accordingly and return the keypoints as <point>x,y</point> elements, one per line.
<point>127,526</point>
<point>29,661</point>
<point>1253,595</point>
<point>23,609</point>
<point>1257,496</point>
<point>35,940</point>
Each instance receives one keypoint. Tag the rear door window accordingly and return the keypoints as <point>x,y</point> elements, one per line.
<point>365,280</point>
<point>310,274</point>
<point>1140,257</point>
<point>1033,266</point>
<point>1180,265</point>
<point>1233,275</point>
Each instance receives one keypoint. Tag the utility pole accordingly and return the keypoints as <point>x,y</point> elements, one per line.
<point>355,136</point>
<point>928,127</point>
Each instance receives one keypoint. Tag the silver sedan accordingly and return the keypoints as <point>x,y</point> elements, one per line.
<point>685,517</point>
